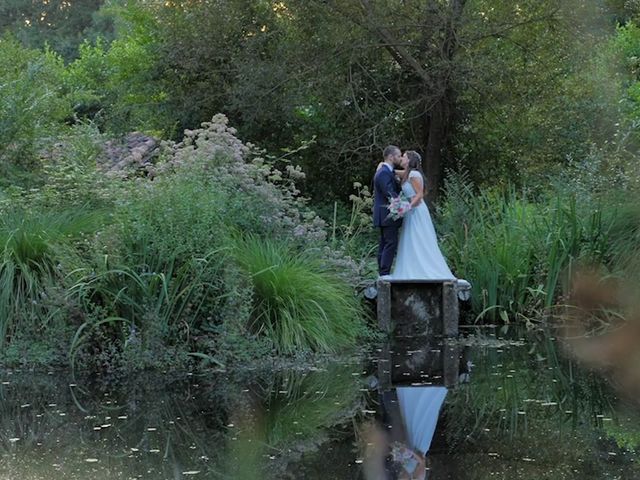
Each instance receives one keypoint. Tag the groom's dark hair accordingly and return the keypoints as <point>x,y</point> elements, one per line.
<point>390,151</point>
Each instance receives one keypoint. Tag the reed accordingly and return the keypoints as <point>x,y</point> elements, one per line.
<point>31,246</point>
<point>517,252</point>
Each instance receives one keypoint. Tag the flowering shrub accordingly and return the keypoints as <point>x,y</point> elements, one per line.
<point>169,249</point>
<point>253,185</point>
<point>157,274</point>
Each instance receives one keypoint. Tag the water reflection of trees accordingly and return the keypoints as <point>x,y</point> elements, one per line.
<point>155,428</point>
<point>142,427</point>
<point>531,413</point>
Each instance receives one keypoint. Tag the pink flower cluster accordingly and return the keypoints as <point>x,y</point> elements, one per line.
<point>247,174</point>
<point>398,206</point>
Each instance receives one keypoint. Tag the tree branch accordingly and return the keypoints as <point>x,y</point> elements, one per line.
<point>499,32</point>
<point>397,51</point>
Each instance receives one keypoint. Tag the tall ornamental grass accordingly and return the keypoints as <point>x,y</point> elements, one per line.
<point>297,302</point>
<point>517,253</point>
<point>31,246</point>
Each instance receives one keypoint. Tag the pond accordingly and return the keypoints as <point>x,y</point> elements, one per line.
<point>498,404</point>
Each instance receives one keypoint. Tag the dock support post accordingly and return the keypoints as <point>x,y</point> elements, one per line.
<point>384,306</point>
<point>450,310</point>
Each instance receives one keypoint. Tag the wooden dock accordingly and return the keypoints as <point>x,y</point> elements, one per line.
<point>419,318</point>
<point>418,307</point>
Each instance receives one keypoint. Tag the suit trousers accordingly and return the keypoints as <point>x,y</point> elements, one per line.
<point>387,248</point>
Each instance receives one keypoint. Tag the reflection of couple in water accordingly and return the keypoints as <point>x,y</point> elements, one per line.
<point>405,463</point>
<point>409,415</point>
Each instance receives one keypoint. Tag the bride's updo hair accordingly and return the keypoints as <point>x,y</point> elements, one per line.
<point>415,163</point>
<point>415,160</point>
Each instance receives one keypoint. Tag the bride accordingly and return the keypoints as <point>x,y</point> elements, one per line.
<point>419,256</point>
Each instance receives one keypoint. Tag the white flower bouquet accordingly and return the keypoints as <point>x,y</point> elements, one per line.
<point>398,206</point>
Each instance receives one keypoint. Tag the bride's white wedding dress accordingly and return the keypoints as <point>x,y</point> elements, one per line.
<point>419,256</point>
<point>420,408</point>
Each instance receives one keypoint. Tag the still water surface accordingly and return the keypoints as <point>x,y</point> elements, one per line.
<point>492,407</point>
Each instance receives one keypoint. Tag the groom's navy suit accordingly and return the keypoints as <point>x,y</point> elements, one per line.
<point>384,187</point>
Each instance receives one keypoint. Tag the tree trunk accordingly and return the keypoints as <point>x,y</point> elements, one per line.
<point>435,132</point>
<point>438,120</point>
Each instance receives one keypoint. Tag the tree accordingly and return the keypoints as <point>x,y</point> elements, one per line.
<point>509,90</point>
<point>33,107</point>
<point>62,24</point>
<point>425,71</point>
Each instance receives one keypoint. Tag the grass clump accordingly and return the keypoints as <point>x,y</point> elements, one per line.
<point>518,251</point>
<point>32,243</point>
<point>298,302</point>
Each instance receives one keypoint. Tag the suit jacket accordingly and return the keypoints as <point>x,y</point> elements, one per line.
<point>384,187</point>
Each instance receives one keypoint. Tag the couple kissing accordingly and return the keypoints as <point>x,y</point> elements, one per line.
<point>413,236</point>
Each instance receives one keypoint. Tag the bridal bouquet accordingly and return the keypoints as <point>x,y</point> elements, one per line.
<point>405,457</point>
<point>399,206</point>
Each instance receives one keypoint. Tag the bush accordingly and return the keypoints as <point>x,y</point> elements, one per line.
<point>298,303</point>
<point>516,252</point>
<point>117,85</point>
<point>70,176</point>
<point>167,273</point>
<point>159,266</point>
<point>33,107</point>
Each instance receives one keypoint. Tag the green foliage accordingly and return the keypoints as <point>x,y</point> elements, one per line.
<point>538,95</point>
<point>33,104</point>
<point>355,233</point>
<point>163,272</point>
<point>532,85</point>
<point>623,238</point>
<point>32,245</point>
<point>626,46</point>
<point>523,93</point>
<point>70,175</point>
<point>527,88</point>
<point>624,431</point>
<point>163,278</point>
<point>242,178</point>
<point>298,303</point>
<point>117,82</point>
<point>57,23</point>
<point>517,252</point>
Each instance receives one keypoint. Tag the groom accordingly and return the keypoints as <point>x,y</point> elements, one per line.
<point>385,186</point>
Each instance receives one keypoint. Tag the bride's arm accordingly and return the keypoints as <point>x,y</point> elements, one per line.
<point>398,171</point>
<point>417,185</point>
